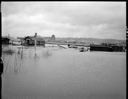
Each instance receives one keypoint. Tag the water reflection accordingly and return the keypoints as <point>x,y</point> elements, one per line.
<point>47,53</point>
<point>63,74</point>
<point>12,59</point>
<point>15,62</point>
<point>18,63</point>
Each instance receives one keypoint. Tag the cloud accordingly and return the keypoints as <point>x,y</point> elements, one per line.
<point>65,19</point>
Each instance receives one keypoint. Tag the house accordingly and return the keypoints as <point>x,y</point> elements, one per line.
<point>30,40</point>
<point>5,40</point>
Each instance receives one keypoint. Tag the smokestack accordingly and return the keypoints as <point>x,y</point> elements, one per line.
<point>35,34</point>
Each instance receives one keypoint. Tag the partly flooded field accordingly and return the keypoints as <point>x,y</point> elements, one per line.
<point>58,73</point>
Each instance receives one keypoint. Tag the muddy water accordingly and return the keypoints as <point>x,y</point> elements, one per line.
<point>57,73</point>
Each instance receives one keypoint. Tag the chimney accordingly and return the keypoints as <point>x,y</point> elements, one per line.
<point>35,34</point>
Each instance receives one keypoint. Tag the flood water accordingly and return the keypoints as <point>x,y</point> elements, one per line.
<point>57,73</point>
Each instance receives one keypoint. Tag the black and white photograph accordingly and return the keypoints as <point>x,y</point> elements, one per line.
<point>63,50</point>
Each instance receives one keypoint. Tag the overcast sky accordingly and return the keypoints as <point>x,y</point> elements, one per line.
<point>65,19</point>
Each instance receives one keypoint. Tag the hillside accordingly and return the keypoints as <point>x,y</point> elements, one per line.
<point>93,40</point>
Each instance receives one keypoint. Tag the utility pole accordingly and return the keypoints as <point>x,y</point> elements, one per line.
<point>35,42</point>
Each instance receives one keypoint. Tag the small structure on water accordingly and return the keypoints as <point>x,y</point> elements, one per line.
<point>72,46</point>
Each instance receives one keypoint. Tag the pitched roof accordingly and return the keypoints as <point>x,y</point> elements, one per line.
<point>37,38</point>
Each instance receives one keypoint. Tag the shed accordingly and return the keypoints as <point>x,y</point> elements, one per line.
<point>100,48</point>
